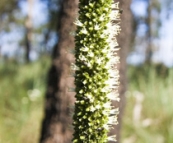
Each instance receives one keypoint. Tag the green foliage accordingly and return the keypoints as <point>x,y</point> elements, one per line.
<point>7,10</point>
<point>94,78</point>
<point>21,92</point>
<point>156,117</point>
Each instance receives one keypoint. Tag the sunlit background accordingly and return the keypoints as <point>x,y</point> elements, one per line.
<point>148,116</point>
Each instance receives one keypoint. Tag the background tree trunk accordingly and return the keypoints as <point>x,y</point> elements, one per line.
<point>57,121</point>
<point>124,40</point>
<point>149,51</point>
<point>29,28</point>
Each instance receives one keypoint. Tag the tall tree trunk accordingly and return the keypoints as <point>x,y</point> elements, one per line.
<point>149,50</point>
<point>56,123</point>
<point>29,26</point>
<point>124,40</point>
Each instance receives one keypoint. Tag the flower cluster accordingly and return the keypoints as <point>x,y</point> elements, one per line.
<point>96,76</point>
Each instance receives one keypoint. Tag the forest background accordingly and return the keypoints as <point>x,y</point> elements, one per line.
<point>28,33</point>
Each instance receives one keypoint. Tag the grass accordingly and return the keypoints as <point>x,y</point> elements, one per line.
<point>151,91</point>
<point>148,116</point>
<point>22,88</point>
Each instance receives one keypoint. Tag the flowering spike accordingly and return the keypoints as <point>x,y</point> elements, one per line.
<point>96,74</point>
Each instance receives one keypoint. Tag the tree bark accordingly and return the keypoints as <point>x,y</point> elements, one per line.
<point>124,40</point>
<point>57,120</point>
<point>149,51</point>
<point>29,28</point>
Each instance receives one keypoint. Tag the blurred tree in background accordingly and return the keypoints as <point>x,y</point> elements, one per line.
<point>6,13</point>
<point>150,23</point>
<point>57,120</point>
<point>29,29</point>
<point>153,24</point>
<point>52,26</point>
<point>6,16</point>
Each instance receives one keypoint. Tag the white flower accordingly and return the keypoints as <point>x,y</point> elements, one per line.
<point>107,105</point>
<point>105,50</point>
<point>96,27</point>
<point>89,64</point>
<point>91,54</point>
<point>115,59</point>
<point>82,57</point>
<point>98,106</point>
<point>112,138</point>
<point>84,82</point>
<point>106,89</point>
<point>113,120</point>
<point>78,23</point>
<point>108,24</point>
<point>114,111</point>
<point>113,96</point>
<point>107,127</point>
<point>92,109</point>
<point>90,97</point>
<point>101,18</point>
<point>74,67</point>
<point>106,9</point>
<point>84,31</point>
<point>114,73</point>
<point>114,15</point>
<point>99,60</point>
<point>102,35</point>
<point>115,5</point>
<point>84,49</point>
<point>114,42</point>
